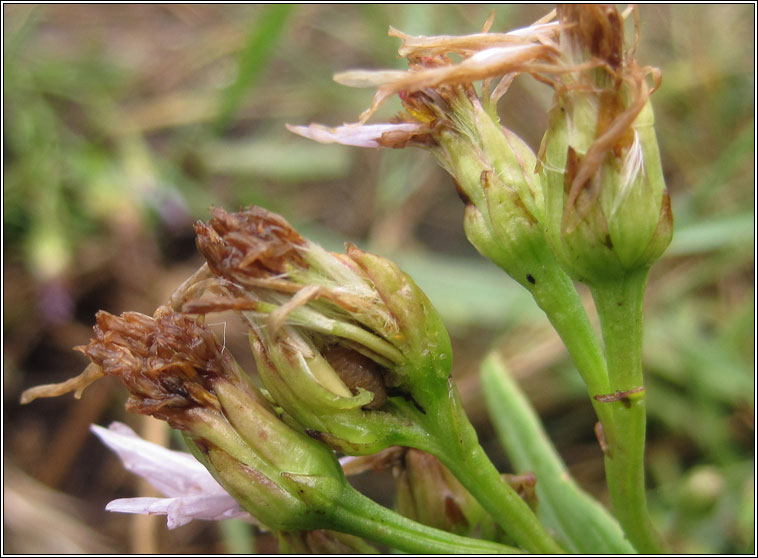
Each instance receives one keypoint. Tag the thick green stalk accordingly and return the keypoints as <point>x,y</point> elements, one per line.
<point>619,305</point>
<point>459,450</point>
<point>477,473</point>
<point>358,515</point>
<point>584,523</point>
<point>556,295</point>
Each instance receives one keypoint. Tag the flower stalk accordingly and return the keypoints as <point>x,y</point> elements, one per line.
<point>494,170</point>
<point>357,514</point>
<point>175,370</point>
<point>608,220</point>
<point>584,524</point>
<point>353,352</point>
<point>619,304</point>
<point>467,460</point>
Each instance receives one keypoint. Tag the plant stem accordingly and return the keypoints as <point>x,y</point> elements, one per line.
<point>477,473</point>
<point>556,295</point>
<point>459,450</point>
<point>619,305</point>
<point>359,515</point>
<point>584,523</point>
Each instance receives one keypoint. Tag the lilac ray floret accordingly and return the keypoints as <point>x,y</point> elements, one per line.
<point>191,492</point>
<point>368,135</point>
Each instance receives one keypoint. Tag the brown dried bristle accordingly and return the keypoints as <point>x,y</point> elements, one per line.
<point>610,107</point>
<point>253,243</point>
<point>167,363</point>
<point>599,28</point>
<point>400,140</point>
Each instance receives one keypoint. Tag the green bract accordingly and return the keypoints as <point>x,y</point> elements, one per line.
<point>621,219</point>
<point>607,208</point>
<point>347,345</point>
<point>495,174</point>
<point>252,452</point>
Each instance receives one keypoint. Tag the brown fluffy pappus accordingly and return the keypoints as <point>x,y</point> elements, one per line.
<point>167,363</point>
<point>253,243</point>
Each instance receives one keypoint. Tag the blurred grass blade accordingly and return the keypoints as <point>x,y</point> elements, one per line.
<point>269,157</point>
<point>257,52</point>
<point>733,230</point>
<point>238,536</point>
<point>586,526</point>
<point>730,160</point>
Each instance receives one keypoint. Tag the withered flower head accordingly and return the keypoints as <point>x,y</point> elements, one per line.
<point>169,363</point>
<point>175,370</point>
<point>250,245</point>
<point>607,211</point>
<point>456,120</point>
<point>337,337</point>
<point>608,208</point>
<point>267,267</point>
<point>434,81</point>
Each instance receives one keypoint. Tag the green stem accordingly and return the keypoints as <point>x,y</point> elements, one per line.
<point>619,305</point>
<point>586,525</point>
<point>556,295</point>
<point>459,450</point>
<point>359,515</point>
<point>477,473</point>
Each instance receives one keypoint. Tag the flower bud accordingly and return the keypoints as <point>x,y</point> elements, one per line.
<point>495,174</point>
<point>608,210</point>
<point>525,486</point>
<point>428,493</point>
<point>343,343</point>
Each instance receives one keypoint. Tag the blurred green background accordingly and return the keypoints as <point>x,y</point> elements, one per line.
<point>123,124</point>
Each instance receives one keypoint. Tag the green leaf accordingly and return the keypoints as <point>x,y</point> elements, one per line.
<point>717,234</point>
<point>258,51</point>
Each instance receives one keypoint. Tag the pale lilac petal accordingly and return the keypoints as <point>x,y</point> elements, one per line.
<point>353,134</point>
<point>180,511</point>
<point>192,491</point>
<point>173,473</point>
